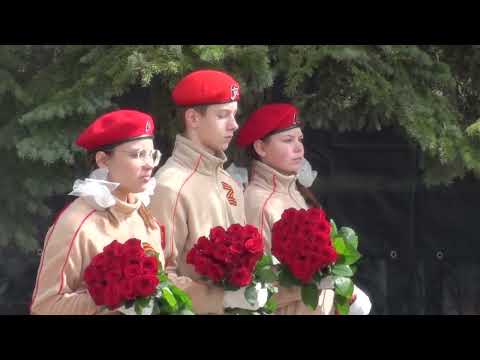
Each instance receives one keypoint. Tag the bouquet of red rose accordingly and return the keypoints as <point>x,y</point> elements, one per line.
<point>234,259</point>
<point>127,278</point>
<point>311,251</point>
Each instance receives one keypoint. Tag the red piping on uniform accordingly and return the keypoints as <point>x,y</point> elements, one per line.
<point>176,201</point>
<point>70,249</point>
<point>266,201</point>
<point>162,235</point>
<point>35,291</point>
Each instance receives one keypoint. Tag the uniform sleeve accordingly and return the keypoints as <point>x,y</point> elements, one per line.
<point>59,275</point>
<point>257,216</point>
<point>164,205</point>
<point>169,209</point>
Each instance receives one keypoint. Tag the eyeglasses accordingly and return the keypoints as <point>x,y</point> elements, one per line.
<point>145,155</point>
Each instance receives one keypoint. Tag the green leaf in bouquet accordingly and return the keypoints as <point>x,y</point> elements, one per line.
<point>334,228</point>
<point>351,259</point>
<point>343,286</point>
<point>310,294</point>
<point>266,274</point>
<point>251,294</point>
<point>143,302</point>
<point>286,278</point>
<point>350,236</point>
<point>182,297</point>
<point>354,269</point>
<point>169,298</point>
<point>342,270</point>
<point>339,245</point>
<point>341,305</point>
<point>345,249</point>
<point>270,306</point>
<point>164,308</point>
<point>162,277</point>
<point>266,260</point>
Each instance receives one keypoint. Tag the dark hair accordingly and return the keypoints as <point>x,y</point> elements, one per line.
<point>180,114</point>
<point>91,161</point>
<point>308,195</point>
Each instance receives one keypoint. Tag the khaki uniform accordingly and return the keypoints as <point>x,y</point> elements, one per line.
<point>194,194</point>
<point>267,196</point>
<point>79,233</point>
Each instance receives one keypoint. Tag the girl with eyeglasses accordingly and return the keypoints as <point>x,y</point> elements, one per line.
<point>111,205</point>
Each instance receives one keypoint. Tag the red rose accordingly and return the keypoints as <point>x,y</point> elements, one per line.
<point>301,270</point>
<point>150,265</point>
<point>113,275</point>
<point>133,249</point>
<point>99,261</point>
<point>133,261</point>
<point>131,271</point>
<point>200,264</point>
<point>254,245</point>
<point>221,256</point>
<point>145,285</point>
<point>241,277</point>
<point>330,255</point>
<point>235,228</point>
<point>215,271</point>
<point>218,234</point>
<point>222,253</point>
<point>249,262</point>
<point>289,213</point>
<point>127,289</point>
<point>97,292</point>
<point>92,275</point>
<point>317,214</point>
<point>114,249</point>
<point>112,296</point>
<point>192,255</point>
<point>301,240</point>
<point>236,249</point>
<point>204,245</point>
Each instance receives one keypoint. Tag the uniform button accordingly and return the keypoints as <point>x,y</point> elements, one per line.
<point>39,252</point>
<point>393,254</point>
<point>439,255</point>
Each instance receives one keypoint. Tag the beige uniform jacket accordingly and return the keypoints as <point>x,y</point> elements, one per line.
<point>267,195</point>
<point>194,194</point>
<point>79,233</point>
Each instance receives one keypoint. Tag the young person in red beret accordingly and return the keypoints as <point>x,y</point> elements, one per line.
<point>273,138</point>
<point>111,205</point>
<point>194,193</point>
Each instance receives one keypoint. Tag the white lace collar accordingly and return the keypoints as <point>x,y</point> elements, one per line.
<point>97,191</point>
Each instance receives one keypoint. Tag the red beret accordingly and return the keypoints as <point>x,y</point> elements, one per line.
<point>266,120</point>
<point>206,87</point>
<point>116,127</point>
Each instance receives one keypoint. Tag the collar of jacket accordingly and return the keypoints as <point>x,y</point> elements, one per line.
<point>269,178</point>
<point>192,156</point>
<point>124,209</point>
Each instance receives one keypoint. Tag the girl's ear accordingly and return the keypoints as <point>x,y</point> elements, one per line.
<point>101,159</point>
<point>259,147</point>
